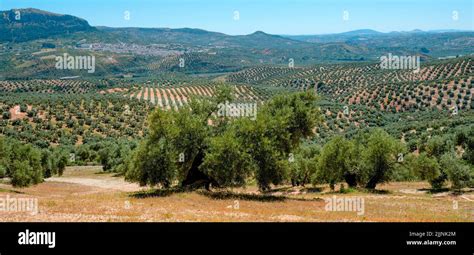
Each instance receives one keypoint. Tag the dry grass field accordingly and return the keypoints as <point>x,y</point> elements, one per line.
<point>85,194</point>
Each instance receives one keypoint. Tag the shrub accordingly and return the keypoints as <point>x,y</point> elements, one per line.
<point>6,115</point>
<point>457,173</point>
<point>3,171</point>
<point>21,174</point>
<point>405,170</point>
<point>334,163</point>
<point>379,158</point>
<point>305,164</point>
<point>437,146</point>
<point>425,167</point>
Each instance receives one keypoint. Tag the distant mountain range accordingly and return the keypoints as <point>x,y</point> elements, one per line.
<point>368,32</point>
<point>363,34</point>
<point>434,43</point>
<point>212,51</point>
<point>36,24</point>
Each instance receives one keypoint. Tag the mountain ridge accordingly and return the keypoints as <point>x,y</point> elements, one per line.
<point>20,25</point>
<point>365,31</point>
<point>138,50</point>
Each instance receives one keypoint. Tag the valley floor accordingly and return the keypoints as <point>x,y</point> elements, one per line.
<point>85,194</point>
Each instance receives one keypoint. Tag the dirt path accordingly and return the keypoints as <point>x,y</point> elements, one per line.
<point>114,184</point>
<point>94,177</point>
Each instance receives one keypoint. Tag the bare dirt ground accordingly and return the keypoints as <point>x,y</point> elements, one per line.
<point>85,194</point>
<point>16,113</point>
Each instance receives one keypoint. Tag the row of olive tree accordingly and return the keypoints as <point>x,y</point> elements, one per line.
<point>447,158</point>
<point>375,157</point>
<point>26,165</point>
<point>195,146</point>
<point>367,160</point>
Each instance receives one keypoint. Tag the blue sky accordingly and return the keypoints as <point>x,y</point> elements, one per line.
<point>271,16</point>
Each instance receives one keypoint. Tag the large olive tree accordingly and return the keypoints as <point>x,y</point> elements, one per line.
<point>197,146</point>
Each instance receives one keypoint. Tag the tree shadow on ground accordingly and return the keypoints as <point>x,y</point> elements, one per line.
<point>358,189</point>
<point>216,194</point>
<point>293,189</point>
<point>434,191</point>
<point>102,172</point>
<point>461,192</point>
<point>157,193</point>
<point>265,197</point>
<point>11,191</point>
<point>378,191</point>
<point>280,189</point>
<point>312,190</point>
<point>455,192</point>
<point>223,195</point>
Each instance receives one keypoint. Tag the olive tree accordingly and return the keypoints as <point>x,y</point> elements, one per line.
<point>379,158</point>
<point>197,146</point>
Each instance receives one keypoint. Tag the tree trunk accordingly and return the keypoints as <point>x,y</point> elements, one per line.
<point>350,180</point>
<point>195,178</point>
<point>371,184</point>
<point>374,180</point>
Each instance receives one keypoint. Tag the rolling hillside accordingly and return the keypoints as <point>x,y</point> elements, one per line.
<point>26,43</point>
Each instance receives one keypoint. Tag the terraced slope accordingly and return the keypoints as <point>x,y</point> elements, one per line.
<point>444,84</point>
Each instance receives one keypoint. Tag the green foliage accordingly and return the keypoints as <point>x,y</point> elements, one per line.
<point>6,115</point>
<point>47,162</point>
<point>173,141</point>
<point>3,171</point>
<point>27,165</point>
<point>276,132</point>
<point>23,174</point>
<point>153,163</point>
<point>440,164</point>
<point>405,169</point>
<point>232,152</point>
<point>426,167</point>
<point>84,153</point>
<point>335,161</point>
<point>459,174</point>
<point>305,164</point>
<point>368,159</point>
<point>108,155</point>
<point>437,146</point>
<point>227,151</point>
<point>23,165</point>
<point>227,160</point>
<point>439,182</point>
<point>379,158</point>
<point>467,141</point>
<point>61,160</point>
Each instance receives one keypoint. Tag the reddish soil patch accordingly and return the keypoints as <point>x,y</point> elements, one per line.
<point>16,113</point>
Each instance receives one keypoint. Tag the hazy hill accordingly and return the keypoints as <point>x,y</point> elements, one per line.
<point>202,38</point>
<point>29,24</point>
<point>436,43</point>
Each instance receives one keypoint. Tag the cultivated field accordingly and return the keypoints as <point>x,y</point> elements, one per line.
<point>88,194</point>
